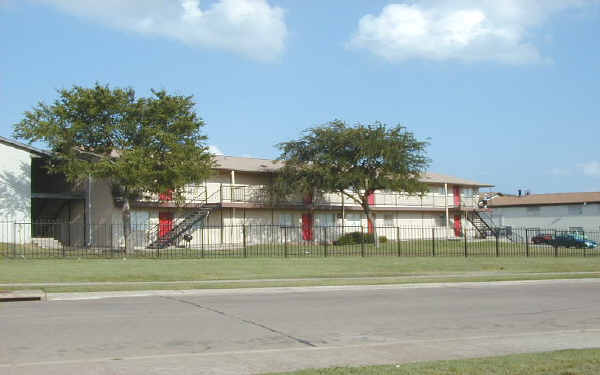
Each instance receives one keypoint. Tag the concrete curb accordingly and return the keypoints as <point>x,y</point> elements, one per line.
<point>22,295</point>
<point>310,289</point>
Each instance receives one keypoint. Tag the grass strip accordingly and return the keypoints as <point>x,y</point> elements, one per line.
<point>157,270</point>
<point>564,362</point>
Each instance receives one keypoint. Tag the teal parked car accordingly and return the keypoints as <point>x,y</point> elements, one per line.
<point>573,240</point>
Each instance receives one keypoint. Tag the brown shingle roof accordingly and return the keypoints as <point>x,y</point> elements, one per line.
<point>545,199</point>
<point>443,179</point>
<point>244,164</point>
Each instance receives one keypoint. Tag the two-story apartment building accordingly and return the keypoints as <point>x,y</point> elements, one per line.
<point>216,211</point>
<point>236,199</point>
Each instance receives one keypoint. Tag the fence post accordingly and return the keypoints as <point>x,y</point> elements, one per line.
<point>527,242</point>
<point>244,240</point>
<point>111,239</point>
<point>325,237</point>
<point>15,241</point>
<point>285,245</point>
<point>62,249</point>
<point>465,234</point>
<point>362,242</point>
<point>398,239</point>
<point>202,239</point>
<point>158,242</point>
<point>433,241</point>
<point>497,245</point>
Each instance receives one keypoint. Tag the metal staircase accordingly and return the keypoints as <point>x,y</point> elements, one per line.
<point>179,229</point>
<point>481,224</point>
<point>485,225</point>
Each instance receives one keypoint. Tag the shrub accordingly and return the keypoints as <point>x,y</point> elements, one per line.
<point>354,238</point>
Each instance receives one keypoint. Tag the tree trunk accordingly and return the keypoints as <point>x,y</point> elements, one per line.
<point>371,219</point>
<point>126,215</point>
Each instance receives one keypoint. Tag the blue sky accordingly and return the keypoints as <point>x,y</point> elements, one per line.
<point>507,91</point>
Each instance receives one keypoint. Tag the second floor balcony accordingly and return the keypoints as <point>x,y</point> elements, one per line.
<point>252,196</point>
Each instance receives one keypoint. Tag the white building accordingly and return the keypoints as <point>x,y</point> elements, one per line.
<point>16,161</point>
<point>556,211</point>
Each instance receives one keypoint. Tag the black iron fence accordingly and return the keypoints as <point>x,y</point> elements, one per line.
<point>48,240</point>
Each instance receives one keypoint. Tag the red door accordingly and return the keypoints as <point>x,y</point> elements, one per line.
<point>371,227</point>
<point>164,197</point>
<point>456,191</point>
<point>307,227</point>
<point>457,226</point>
<point>165,223</point>
<point>371,199</point>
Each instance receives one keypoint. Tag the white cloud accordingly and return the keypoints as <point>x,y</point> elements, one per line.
<point>465,30</point>
<point>591,168</point>
<point>215,150</point>
<point>250,27</point>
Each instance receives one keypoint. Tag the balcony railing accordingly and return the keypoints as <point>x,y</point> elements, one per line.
<point>214,193</point>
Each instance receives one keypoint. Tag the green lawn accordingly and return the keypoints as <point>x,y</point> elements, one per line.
<point>566,362</point>
<point>157,270</point>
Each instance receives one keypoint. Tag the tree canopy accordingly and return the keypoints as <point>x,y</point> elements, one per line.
<point>150,144</point>
<point>353,160</point>
<point>142,144</point>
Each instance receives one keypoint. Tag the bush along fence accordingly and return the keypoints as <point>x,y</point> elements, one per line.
<point>49,240</point>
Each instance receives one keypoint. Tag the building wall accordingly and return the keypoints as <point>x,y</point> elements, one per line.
<point>15,184</point>
<point>559,216</point>
<point>103,226</point>
<point>15,194</point>
<point>226,226</point>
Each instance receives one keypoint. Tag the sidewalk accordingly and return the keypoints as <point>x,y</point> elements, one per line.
<point>529,275</point>
<point>78,296</point>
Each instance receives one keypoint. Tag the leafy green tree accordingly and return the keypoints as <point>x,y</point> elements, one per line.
<point>353,161</point>
<point>148,144</point>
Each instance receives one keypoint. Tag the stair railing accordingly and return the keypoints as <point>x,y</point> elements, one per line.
<point>153,233</point>
<point>510,234</point>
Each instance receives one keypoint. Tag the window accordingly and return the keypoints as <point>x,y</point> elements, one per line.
<point>533,211</point>
<point>467,192</point>
<point>325,220</point>
<point>388,220</point>
<point>353,220</point>
<point>139,220</point>
<point>575,209</point>
<point>285,220</point>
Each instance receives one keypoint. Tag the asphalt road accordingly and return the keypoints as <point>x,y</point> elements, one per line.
<point>248,332</point>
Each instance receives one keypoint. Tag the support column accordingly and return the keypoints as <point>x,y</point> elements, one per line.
<point>446,207</point>
<point>233,222</point>
<point>89,202</point>
<point>343,215</point>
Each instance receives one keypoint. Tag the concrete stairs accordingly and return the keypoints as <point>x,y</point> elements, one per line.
<point>46,243</point>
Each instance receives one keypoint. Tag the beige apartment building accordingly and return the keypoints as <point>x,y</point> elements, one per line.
<point>233,205</point>
<point>236,199</point>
